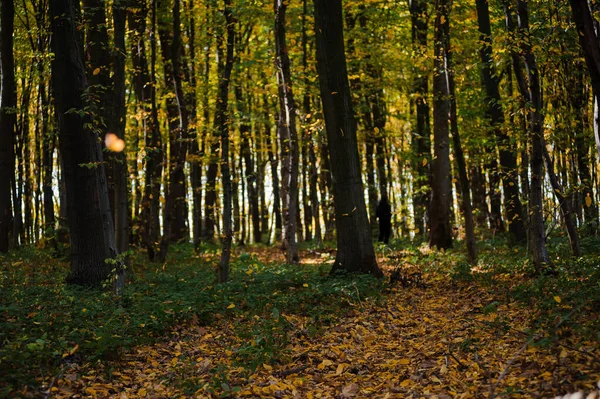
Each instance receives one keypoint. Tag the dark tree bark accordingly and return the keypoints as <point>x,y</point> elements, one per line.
<point>246,150</point>
<point>577,100</point>
<point>116,125</point>
<point>421,145</point>
<point>440,234</point>
<point>145,91</point>
<point>508,160</point>
<point>541,257</point>
<point>590,44</point>
<point>109,90</point>
<point>465,199</point>
<point>175,211</point>
<point>273,163</point>
<point>355,248</point>
<point>221,125</point>
<point>8,103</point>
<point>288,137</point>
<point>90,222</point>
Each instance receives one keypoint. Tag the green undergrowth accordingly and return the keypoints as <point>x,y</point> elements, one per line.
<point>46,324</point>
<point>564,300</point>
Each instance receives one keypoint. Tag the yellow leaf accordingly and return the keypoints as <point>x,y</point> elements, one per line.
<point>588,201</point>
<point>405,383</point>
<point>90,391</point>
<point>563,353</point>
<point>142,392</point>
<point>96,71</point>
<point>327,362</point>
<point>305,285</point>
<point>444,369</point>
<point>174,361</point>
<point>340,369</point>
<point>557,299</point>
<point>231,306</point>
<point>267,367</point>
<point>404,361</point>
<point>424,161</point>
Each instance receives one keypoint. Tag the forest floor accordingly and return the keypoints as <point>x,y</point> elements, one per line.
<point>436,333</point>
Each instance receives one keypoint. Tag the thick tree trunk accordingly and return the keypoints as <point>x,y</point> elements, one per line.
<point>89,217</point>
<point>288,137</point>
<point>440,234</point>
<point>8,103</point>
<point>355,248</point>
<point>508,161</point>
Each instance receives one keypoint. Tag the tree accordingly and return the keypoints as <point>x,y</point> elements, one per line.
<point>288,136</point>
<point>144,85</point>
<point>355,251</point>
<point>88,211</point>
<point>222,126</point>
<point>420,142</point>
<point>8,102</point>
<point>440,234</point>
<point>494,112</point>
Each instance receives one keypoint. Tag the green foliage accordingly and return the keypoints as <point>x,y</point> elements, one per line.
<point>45,323</point>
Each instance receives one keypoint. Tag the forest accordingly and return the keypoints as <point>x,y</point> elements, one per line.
<point>299,199</point>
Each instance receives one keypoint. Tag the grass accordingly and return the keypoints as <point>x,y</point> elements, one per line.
<point>45,323</point>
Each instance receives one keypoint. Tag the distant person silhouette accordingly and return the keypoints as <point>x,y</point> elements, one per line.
<point>384,214</point>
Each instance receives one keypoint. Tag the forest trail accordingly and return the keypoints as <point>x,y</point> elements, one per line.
<point>441,341</point>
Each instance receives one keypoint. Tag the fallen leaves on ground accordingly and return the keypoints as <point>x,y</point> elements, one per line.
<point>439,342</point>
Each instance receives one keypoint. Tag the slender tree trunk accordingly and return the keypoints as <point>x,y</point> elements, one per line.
<point>246,150</point>
<point>116,125</point>
<point>221,125</point>
<point>175,211</point>
<point>508,161</point>
<point>440,234</point>
<point>541,257</point>
<point>465,187</point>
<point>145,91</point>
<point>8,103</point>
<point>590,44</point>
<point>89,217</point>
<point>421,145</point>
<point>273,162</point>
<point>355,248</point>
<point>288,137</point>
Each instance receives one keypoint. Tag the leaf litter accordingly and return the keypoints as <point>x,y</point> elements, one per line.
<point>441,341</point>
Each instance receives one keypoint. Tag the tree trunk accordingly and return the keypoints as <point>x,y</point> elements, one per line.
<point>222,127</point>
<point>8,103</point>
<point>246,150</point>
<point>440,234</point>
<point>421,145</point>
<point>145,91</point>
<point>590,44</point>
<point>465,187</point>
<point>116,125</point>
<point>541,257</point>
<point>355,249</point>
<point>508,161</point>
<point>175,211</point>
<point>90,222</point>
<point>288,137</point>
